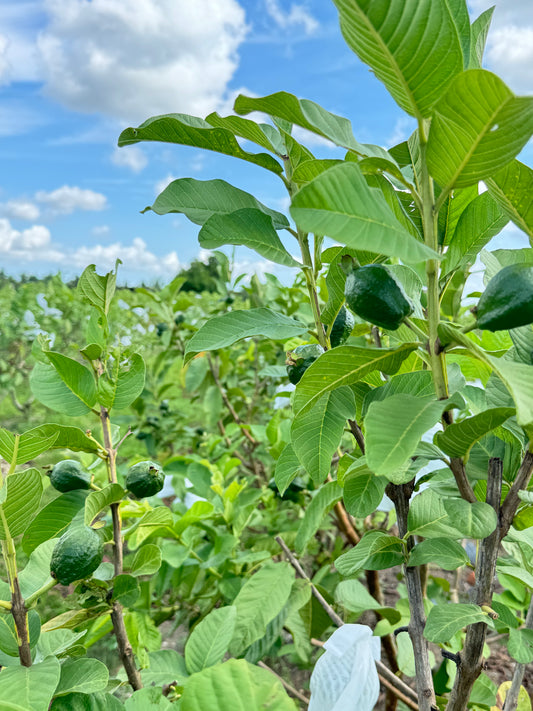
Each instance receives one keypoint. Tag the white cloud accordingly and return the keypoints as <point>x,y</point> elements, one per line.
<point>12,240</point>
<point>403,128</point>
<point>100,230</point>
<point>162,184</point>
<point>297,15</point>
<point>162,56</point>
<point>5,66</point>
<point>67,199</point>
<point>131,157</point>
<point>20,210</point>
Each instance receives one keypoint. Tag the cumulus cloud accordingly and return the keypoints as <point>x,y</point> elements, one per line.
<point>20,210</point>
<point>162,184</point>
<point>131,157</point>
<point>12,240</point>
<point>286,19</point>
<point>100,230</point>
<point>165,56</point>
<point>5,66</point>
<point>68,199</point>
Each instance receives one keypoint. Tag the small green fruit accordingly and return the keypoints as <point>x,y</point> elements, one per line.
<point>68,475</point>
<point>145,479</point>
<point>300,359</point>
<point>507,302</point>
<point>76,555</point>
<point>342,327</point>
<point>373,293</point>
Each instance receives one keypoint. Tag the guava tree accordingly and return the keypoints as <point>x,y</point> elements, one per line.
<point>417,214</point>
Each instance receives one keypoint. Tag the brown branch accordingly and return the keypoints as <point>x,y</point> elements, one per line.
<point>400,495</point>
<point>358,435</point>
<point>465,488</point>
<point>20,617</point>
<point>292,691</point>
<point>382,669</point>
<point>512,501</point>
<point>472,654</point>
<point>511,700</point>
<point>124,647</point>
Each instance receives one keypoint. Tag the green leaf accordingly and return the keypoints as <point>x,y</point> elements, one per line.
<point>147,560</point>
<point>24,491</point>
<point>33,686</point>
<point>82,675</point>
<point>259,600</point>
<point>413,48</point>
<point>225,330</point>
<point>30,445</point>
<point>376,550</point>
<point>310,116</point>
<point>444,552</point>
<point>235,685</point>
<point>288,467</point>
<point>362,490</point>
<point>126,590</point>
<point>512,188</point>
<point>263,134</point>
<point>248,227</point>
<point>97,290</point>
<point>210,639</point>
<point>520,645</point>
<point>86,702</point>
<point>339,203</point>
<point>159,518</point>
<point>445,620</point>
<point>199,511</point>
<point>53,520</point>
<point>429,518</point>
<point>474,520</point>
<point>66,437</point>
<point>149,699</point>
<point>37,570</point>
<point>346,365</point>
<point>391,440</point>
<point>98,500</point>
<point>480,221</point>
<point>192,131</point>
<point>165,667</point>
<point>459,438</point>
<point>199,199</point>
<point>479,32</point>
<point>48,387</point>
<point>355,597</point>
<point>317,433</point>
<point>322,503</point>
<point>120,391</point>
<point>8,634</point>
<point>78,379</point>
<point>478,127</point>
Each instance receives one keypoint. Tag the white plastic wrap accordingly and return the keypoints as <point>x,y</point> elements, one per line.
<point>345,677</point>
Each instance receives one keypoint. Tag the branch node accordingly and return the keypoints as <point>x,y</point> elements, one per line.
<point>455,658</point>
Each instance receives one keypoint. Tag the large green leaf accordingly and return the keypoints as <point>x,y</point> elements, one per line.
<point>287,468</point>
<point>192,131</point>
<point>512,188</point>
<point>199,199</point>
<point>445,620</point>
<point>166,666</point>
<point>147,560</point>
<point>36,573</point>
<point>260,599</point>
<point>346,365</point>
<point>210,639</point>
<point>362,490</point>
<point>429,518</point>
<point>48,387</point>
<point>340,204</point>
<point>459,438</point>
<point>29,446</point>
<point>248,227</point>
<point>263,134</point>
<point>413,48</point>
<point>98,500</point>
<point>479,126</point>
<point>391,440</point>
<point>8,634</point>
<point>316,434</point>
<point>235,685</point>
<point>322,503</point>
<point>86,702</point>
<point>78,379</point>
<point>474,520</point>
<point>82,675</point>
<point>33,686</point>
<point>148,699</point>
<point>97,290</point>
<point>355,597</point>
<point>66,437</point>
<point>481,220</point>
<point>24,491</point>
<point>125,384</point>
<point>53,519</point>
<point>376,550</point>
<point>444,552</point>
<point>227,329</point>
<point>479,32</point>
<point>310,116</point>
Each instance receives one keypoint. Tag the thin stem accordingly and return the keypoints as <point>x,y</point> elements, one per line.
<point>471,662</point>
<point>124,647</point>
<point>309,274</point>
<point>511,700</point>
<point>400,495</point>
<point>291,690</point>
<point>38,593</point>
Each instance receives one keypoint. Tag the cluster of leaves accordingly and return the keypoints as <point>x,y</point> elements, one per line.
<point>436,413</point>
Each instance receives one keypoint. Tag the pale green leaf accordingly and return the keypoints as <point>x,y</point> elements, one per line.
<point>340,204</point>
<point>323,501</point>
<point>479,32</point>
<point>210,639</point>
<point>248,227</point>
<point>82,675</point>
<point>478,127</point>
<point>48,387</point>
<point>512,188</point>
<point>376,550</point>
<point>119,392</point>
<point>444,552</point>
<point>98,500</point>
<point>147,560</point>
<point>474,520</point>
<point>97,290</point>
<point>33,686</point>
<point>24,491</point>
<point>53,519</point>
<point>445,620</point>
<point>520,645</point>
<point>459,438</point>
<point>30,445</point>
<point>78,379</point>
<point>148,699</point>
<point>362,490</point>
<point>288,467</point>
<point>429,518</point>
<point>166,666</point>
<point>227,329</point>
<point>36,573</point>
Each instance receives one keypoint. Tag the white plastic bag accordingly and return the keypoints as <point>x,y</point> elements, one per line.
<point>345,677</point>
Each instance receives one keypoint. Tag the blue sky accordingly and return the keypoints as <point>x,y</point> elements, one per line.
<point>73,73</point>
